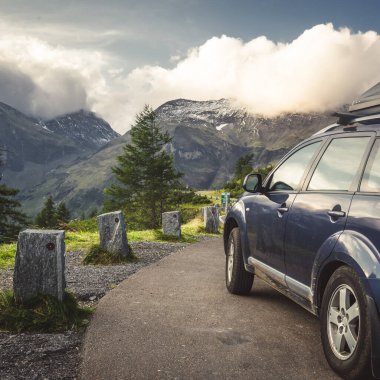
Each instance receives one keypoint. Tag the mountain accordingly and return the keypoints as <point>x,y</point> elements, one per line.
<point>83,127</point>
<point>33,148</point>
<point>208,138</point>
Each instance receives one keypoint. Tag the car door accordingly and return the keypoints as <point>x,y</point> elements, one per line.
<point>364,215</point>
<point>319,212</point>
<point>266,213</point>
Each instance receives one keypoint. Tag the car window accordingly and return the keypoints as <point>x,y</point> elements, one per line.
<point>371,178</point>
<point>339,164</point>
<point>289,174</point>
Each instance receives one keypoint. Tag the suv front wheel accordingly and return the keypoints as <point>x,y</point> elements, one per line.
<point>238,280</point>
<point>345,325</point>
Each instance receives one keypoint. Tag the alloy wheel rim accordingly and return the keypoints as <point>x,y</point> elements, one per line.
<point>230,262</point>
<point>343,322</point>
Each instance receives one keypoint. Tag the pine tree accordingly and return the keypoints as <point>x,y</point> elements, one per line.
<point>11,217</point>
<point>243,166</point>
<point>47,217</point>
<point>62,213</point>
<point>145,174</point>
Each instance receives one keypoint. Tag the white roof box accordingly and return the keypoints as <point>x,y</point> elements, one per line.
<point>367,103</point>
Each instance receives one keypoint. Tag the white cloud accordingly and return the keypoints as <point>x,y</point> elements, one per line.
<point>320,70</point>
<point>46,81</point>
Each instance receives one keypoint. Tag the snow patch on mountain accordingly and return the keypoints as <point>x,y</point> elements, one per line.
<point>221,126</point>
<point>84,127</point>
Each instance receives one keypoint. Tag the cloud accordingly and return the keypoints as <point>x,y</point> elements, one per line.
<point>320,70</point>
<point>44,81</point>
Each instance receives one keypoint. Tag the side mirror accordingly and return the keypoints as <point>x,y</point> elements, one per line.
<point>253,183</point>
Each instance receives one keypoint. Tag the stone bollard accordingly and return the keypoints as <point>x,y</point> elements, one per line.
<point>202,212</point>
<point>39,264</point>
<point>171,223</point>
<point>211,219</point>
<point>112,232</point>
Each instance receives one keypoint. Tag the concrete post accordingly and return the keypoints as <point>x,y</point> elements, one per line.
<point>112,232</point>
<point>211,219</point>
<point>39,264</point>
<point>171,223</point>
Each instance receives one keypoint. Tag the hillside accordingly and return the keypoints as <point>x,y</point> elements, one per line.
<point>209,137</point>
<point>34,147</point>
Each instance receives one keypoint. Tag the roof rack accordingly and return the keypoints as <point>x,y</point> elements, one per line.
<point>327,129</point>
<point>345,118</point>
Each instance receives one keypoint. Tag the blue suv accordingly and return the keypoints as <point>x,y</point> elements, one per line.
<point>311,230</point>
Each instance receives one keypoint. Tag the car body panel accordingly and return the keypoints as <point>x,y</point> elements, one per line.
<point>308,227</point>
<point>266,227</point>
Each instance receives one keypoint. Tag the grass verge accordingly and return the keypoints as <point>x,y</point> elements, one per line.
<point>83,235</point>
<point>7,255</point>
<point>44,313</point>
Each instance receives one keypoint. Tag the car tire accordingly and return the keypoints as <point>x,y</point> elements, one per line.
<point>238,280</point>
<point>345,325</point>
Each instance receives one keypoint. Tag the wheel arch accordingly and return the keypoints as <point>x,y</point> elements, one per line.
<point>230,224</point>
<point>323,278</point>
<point>351,249</point>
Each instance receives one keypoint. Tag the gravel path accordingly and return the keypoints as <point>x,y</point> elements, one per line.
<point>57,356</point>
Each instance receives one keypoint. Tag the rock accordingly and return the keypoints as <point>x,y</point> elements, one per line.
<point>112,232</point>
<point>171,223</point>
<point>211,219</point>
<point>39,264</point>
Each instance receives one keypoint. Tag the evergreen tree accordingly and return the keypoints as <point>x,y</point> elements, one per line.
<point>47,217</point>
<point>62,213</point>
<point>243,166</point>
<point>11,217</point>
<point>145,174</point>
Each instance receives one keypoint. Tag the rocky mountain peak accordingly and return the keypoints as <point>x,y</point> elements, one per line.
<point>84,127</point>
<point>199,112</point>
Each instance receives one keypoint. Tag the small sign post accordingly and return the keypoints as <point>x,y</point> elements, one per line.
<point>225,201</point>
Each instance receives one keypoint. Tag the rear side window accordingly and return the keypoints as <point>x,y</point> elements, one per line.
<point>339,164</point>
<point>289,174</point>
<point>371,178</point>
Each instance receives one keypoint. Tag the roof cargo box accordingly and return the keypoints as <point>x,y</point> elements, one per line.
<point>367,103</point>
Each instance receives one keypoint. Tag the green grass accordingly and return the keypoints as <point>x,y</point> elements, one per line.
<point>80,240</point>
<point>83,234</point>
<point>87,225</point>
<point>44,313</point>
<point>98,256</point>
<point>7,255</point>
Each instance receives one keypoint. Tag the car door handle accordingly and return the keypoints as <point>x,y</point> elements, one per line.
<point>283,209</point>
<point>336,214</point>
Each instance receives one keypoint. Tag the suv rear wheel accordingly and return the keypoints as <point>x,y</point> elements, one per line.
<point>238,280</point>
<point>345,325</point>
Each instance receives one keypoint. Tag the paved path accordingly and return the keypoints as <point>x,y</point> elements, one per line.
<point>176,320</point>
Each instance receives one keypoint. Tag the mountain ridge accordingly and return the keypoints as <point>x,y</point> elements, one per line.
<point>208,138</point>
<point>33,149</point>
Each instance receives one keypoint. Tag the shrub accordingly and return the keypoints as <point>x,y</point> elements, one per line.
<point>98,256</point>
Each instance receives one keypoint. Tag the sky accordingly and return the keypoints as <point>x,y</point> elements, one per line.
<point>112,57</point>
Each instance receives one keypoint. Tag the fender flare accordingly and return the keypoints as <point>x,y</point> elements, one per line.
<point>237,216</point>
